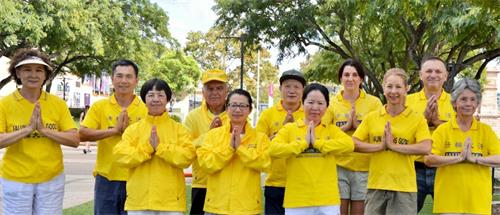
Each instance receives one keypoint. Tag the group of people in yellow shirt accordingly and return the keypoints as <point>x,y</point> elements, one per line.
<point>321,155</point>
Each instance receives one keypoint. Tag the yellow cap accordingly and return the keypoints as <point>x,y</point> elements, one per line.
<point>213,75</point>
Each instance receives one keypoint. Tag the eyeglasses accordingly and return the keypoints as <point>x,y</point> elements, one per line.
<point>233,106</point>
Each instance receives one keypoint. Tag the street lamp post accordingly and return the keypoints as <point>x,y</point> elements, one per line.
<point>241,38</point>
<point>64,88</point>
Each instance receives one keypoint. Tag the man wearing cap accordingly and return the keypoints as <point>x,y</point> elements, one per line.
<point>288,109</point>
<point>211,114</point>
<point>105,122</point>
<point>33,126</point>
<point>435,104</point>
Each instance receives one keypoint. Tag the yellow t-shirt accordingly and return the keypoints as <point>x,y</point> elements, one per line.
<point>418,102</point>
<point>339,112</point>
<point>35,158</point>
<point>270,122</point>
<point>198,122</point>
<point>463,187</point>
<point>391,170</point>
<point>156,178</point>
<point>102,115</point>
<point>311,176</point>
<point>233,185</point>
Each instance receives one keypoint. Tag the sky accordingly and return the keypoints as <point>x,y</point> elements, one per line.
<point>197,15</point>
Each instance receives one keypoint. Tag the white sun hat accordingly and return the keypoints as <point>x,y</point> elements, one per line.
<point>33,60</point>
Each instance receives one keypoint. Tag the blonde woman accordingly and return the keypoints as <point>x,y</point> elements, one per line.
<point>393,134</point>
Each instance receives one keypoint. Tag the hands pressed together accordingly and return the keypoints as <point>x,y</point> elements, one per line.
<point>153,139</point>
<point>122,122</point>
<point>235,138</point>
<point>431,111</point>
<point>36,122</point>
<point>216,122</point>
<point>310,135</point>
<point>466,154</point>
<point>352,122</point>
<point>289,117</point>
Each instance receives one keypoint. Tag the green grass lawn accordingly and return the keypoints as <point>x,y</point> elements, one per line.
<point>88,207</point>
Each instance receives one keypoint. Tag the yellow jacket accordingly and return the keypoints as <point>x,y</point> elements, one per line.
<point>270,122</point>
<point>198,122</point>
<point>311,173</point>
<point>156,180</point>
<point>233,185</point>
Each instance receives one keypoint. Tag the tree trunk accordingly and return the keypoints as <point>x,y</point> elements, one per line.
<point>5,81</point>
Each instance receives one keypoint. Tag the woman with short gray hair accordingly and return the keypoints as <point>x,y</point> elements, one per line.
<point>461,86</point>
<point>464,150</point>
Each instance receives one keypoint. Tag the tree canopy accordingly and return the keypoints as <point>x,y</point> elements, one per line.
<point>213,52</point>
<point>179,71</point>
<point>86,36</point>
<point>380,34</point>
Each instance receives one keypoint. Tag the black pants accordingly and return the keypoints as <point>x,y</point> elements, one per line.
<point>197,200</point>
<point>109,196</point>
<point>274,200</point>
<point>425,183</point>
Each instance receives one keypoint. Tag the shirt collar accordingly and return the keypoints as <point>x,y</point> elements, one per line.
<point>443,97</point>
<point>340,97</point>
<point>474,126</point>
<point>405,113</point>
<point>301,123</point>
<point>18,96</point>
<point>204,108</point>
<point>280,107</point>
<point>135,102</point>
<point>162,117</point>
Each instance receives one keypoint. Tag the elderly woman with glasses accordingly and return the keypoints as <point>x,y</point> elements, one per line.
<point>464,150</point>
<point>233,156</point>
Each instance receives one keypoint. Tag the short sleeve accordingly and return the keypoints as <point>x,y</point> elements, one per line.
<point>66,121</point>
<point>438,141</point>
<point>92,118</point>
<point>362,131</point>
<point>493,142</point>
<point>422,133</point>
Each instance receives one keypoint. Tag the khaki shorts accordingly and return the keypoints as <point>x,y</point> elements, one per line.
<point>352,185</point>
<point>390,202</point>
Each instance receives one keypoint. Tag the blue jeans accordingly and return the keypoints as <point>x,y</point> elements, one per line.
<point>109,196</point>
<point>274,200</point>
<point>425,183</point>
